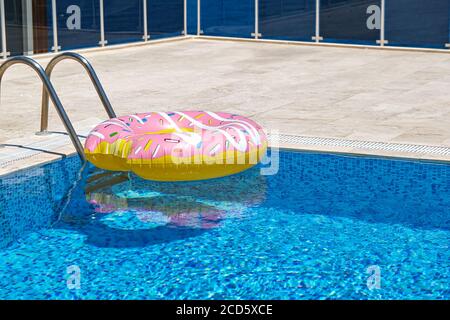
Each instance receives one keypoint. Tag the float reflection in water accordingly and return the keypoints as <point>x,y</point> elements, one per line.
<point>126,201</point>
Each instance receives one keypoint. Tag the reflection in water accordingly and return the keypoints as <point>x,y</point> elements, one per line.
<point>123,210</point>
<point>190,204</point>
<point>160,210</point>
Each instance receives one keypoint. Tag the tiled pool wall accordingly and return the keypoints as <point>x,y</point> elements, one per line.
<point>408,23</point>
<point>413,193</point>
<point>31,199</point>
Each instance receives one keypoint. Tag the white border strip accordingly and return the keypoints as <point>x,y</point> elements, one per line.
<point>119,46</point>
<point>285,140</point>
<point>37,145</point>
<point>33,149</point>
<point>324,44</point>
<point>364,145</point>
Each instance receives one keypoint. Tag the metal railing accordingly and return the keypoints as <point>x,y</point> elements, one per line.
<point>92,75</point>
<point>48,87</point>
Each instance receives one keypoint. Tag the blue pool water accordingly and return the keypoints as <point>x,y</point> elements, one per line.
<point>319,229</point>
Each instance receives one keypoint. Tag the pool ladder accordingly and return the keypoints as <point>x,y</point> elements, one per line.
<point>48,92</point>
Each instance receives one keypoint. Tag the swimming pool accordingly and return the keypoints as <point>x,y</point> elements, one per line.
<point>322,228</point>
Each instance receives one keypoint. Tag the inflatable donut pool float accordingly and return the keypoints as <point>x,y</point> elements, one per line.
<point>177,146</point>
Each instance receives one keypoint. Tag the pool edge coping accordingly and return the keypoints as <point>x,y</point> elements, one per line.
<point>67,151</point>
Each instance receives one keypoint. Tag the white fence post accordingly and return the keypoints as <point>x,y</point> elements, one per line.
<point>56,46</point>
<point>317,37</point>
<point>256,34</point>
<point>102,42</point>
<point>4,53</point>
<point>28,48</point>
<point>199,19</point>
<point>185,31</point>
<point>383,40</point>
<point>146,36</point>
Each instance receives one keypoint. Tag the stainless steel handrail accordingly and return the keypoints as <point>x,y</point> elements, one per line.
<point>50,90</point>
<point>92,75</point>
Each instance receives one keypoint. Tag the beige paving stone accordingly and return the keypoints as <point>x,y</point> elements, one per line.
<point>331,92</point>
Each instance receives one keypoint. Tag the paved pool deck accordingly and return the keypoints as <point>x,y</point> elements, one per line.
<point>400,97</point>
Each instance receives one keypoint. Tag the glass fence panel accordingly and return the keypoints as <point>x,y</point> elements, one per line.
<point>124,21</point>
<point>165,18</point>
<point>192,16</point>
<point>38,27</point>
<point>27,28</point>
<point>418,23</point>
<point>287,19</point>
<point>15,27</point>
<point>350,21</point>
<point>78,23</point>
<point>231,18</point>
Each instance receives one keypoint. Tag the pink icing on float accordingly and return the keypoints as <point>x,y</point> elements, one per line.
<point>177,146</point>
